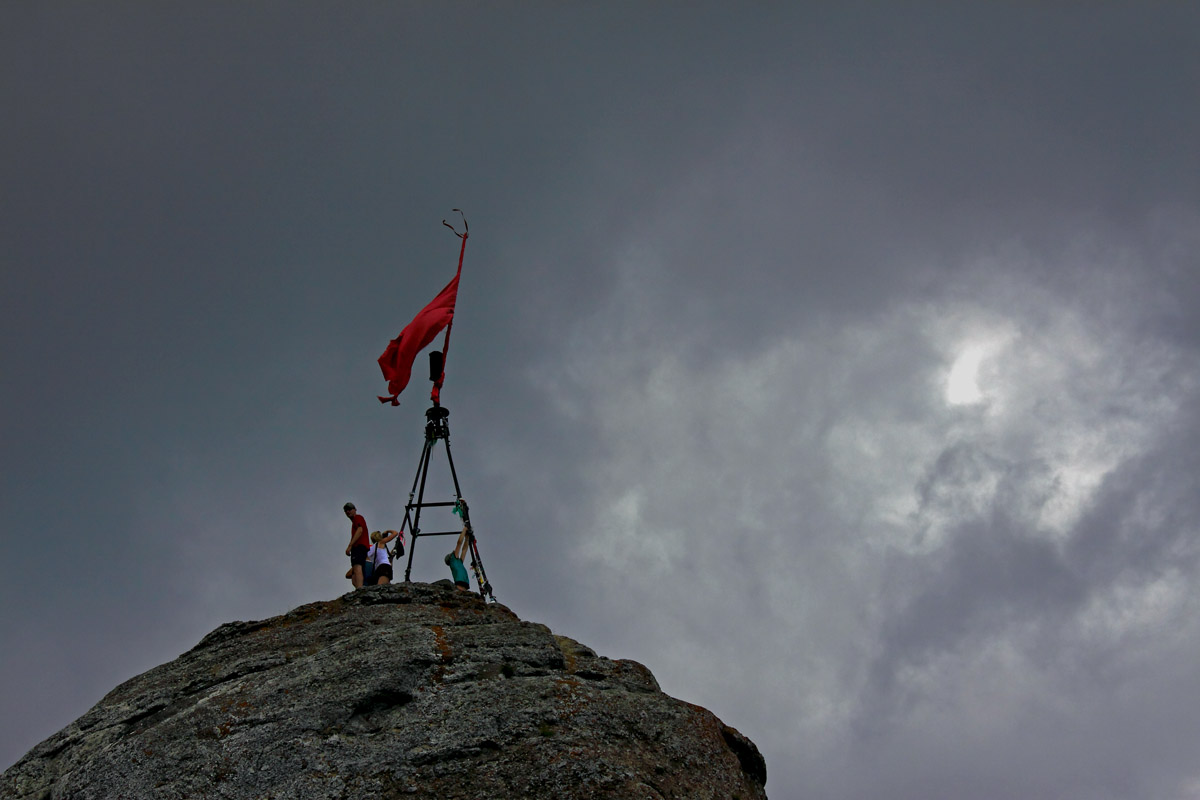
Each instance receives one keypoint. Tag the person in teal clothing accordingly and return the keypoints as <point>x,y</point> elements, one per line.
<point>455,561</point>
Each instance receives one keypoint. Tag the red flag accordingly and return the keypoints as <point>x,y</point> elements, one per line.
<point>397,360</point>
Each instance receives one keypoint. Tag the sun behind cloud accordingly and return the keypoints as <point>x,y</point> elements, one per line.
<point>962,384</point>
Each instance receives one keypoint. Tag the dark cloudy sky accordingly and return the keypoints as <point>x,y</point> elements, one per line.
<point>841,365</point>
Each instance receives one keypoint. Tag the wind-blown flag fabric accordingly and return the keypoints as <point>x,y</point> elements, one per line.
<point>397,360</point>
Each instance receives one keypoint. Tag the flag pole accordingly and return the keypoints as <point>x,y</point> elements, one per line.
<point>435,393</point>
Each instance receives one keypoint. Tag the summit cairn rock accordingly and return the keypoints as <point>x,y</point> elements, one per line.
<point>408,690</point>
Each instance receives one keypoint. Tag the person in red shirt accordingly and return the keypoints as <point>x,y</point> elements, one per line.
<point>360,543</point>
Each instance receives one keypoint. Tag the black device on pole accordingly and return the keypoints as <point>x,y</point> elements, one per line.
<point>436,428</point>
<point>436,365</point>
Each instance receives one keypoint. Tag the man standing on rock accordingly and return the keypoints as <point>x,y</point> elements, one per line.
<point>360,543</point>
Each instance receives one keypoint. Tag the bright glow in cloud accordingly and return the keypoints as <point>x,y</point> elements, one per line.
<point>962,384</point>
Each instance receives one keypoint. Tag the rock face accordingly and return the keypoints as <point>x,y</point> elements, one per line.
<point>409,690</point>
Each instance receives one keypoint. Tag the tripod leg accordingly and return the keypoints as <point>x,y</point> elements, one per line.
<point>485,588</point>
<point>414,529</point>
<point>453,472</point>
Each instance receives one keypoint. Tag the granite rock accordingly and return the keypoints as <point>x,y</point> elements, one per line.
<point>410,690</point>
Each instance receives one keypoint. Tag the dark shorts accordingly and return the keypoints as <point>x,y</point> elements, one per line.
<point>358,555</point>
<point>462,585</point>
<point>381,571</point>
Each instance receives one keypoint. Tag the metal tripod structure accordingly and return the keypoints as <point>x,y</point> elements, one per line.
<point>437,429</point>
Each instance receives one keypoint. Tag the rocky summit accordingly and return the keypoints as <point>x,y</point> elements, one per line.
<point>409,690</point>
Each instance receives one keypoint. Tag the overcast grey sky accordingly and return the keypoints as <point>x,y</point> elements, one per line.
<point>841,365</point>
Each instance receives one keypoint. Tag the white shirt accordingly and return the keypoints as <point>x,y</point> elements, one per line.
<point>378,555</point>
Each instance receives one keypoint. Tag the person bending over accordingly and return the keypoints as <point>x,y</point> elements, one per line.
<point>377,556</point>
<point>454,561</point>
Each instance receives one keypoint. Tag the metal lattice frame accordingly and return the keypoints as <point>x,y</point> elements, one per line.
<point>437,429</point>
